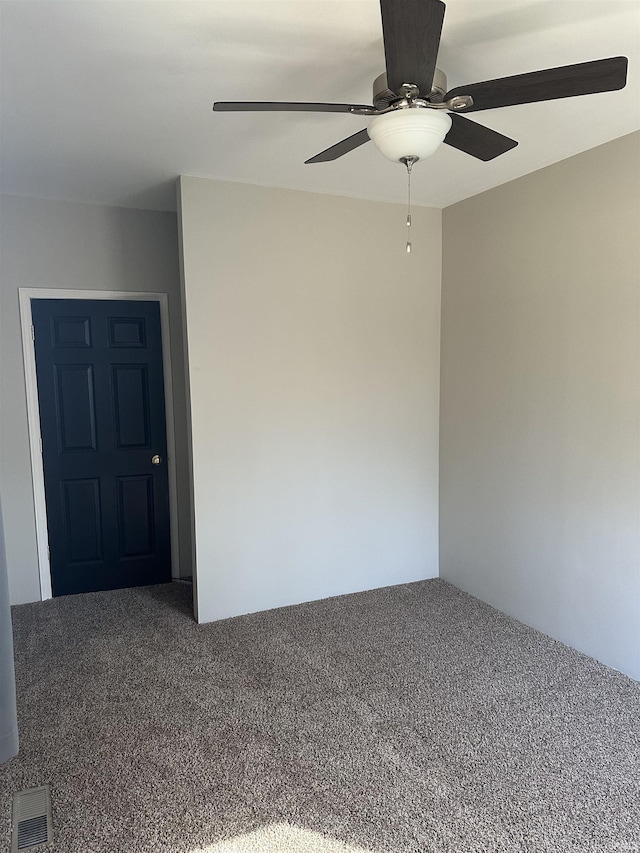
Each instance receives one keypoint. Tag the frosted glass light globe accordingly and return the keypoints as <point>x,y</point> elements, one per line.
<point>412,132</point>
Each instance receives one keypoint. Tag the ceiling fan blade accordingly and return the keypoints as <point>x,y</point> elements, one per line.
<point>284,106</point>
<point>585,78</point>
<point>342,147</point>
<point>476,139</point>
<point>411,32</point>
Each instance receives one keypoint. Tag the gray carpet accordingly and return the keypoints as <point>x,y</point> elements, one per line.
<point>412,719</point>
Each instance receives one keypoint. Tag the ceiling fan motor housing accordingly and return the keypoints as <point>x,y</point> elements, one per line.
<point>383,97</point>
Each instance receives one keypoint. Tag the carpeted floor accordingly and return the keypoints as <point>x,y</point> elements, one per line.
<point>412,718</point>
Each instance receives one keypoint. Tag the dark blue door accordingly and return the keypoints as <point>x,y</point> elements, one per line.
<point>102,419</point>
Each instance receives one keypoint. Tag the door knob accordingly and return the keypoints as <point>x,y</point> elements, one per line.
<point>156,460</point>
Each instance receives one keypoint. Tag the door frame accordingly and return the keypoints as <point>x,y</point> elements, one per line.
<point>25,295</point>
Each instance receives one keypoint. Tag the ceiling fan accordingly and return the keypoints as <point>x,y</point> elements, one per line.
<point>413,113</point>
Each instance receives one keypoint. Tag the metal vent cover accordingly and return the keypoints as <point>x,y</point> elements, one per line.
<point>31,825</point>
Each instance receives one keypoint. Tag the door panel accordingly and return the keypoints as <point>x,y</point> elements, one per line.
<point>83,527</point>
<point>131,405</point>
<point>102,416</point>
<point>135,516</point>
<point>75,404</point>
<point>71,332</point>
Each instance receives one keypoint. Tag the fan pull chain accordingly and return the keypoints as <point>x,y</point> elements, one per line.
<point>408,162</point>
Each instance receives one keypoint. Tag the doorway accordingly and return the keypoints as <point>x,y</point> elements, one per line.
<point>100,375</point>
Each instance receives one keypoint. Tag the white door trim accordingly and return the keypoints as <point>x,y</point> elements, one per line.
<point>26,294</point>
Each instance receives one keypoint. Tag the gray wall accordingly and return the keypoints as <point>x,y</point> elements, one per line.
<point>540,405</point>
<point>8,713</point>
<point>313,344</point>
<point>54,244</point>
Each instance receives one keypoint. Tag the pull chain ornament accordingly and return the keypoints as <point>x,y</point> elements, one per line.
<point>408,162</point>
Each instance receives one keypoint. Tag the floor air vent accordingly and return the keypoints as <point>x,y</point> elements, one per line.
<point>32,828</point>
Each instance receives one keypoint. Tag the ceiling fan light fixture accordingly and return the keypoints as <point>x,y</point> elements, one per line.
<point>408,133</point>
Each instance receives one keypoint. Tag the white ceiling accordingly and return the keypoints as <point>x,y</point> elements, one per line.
<point>107,102</point>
